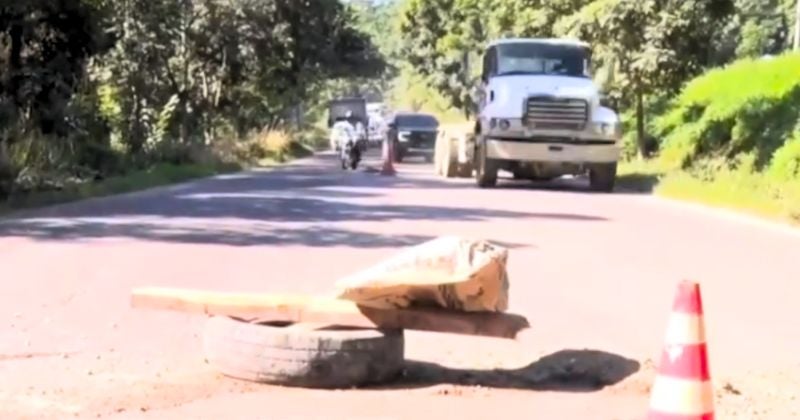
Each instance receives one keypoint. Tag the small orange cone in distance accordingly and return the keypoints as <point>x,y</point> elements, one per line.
<point>388,158</point>
<point>682,389</point>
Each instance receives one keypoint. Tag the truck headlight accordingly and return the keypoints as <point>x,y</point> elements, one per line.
<point>501,123</point>
<point>404,135</point>
<point>608,129</point>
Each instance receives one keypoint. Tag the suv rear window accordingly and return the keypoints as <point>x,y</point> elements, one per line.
<point>417,120</point>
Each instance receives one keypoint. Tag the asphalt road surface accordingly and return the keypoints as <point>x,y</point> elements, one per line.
<point>594,273</point>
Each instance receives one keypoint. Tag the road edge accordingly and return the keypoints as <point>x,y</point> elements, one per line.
<point>728,214</point>
<point>24,212</point>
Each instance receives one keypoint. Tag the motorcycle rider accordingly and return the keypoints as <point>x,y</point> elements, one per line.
<point>344,134</point>
<point>344,131</point>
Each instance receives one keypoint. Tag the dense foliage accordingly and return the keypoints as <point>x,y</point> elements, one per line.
<point>643,49</point>
<point>94,87</point>
<point>747,108</point>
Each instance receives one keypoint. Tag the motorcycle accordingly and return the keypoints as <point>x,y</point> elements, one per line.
<point>350,155</point>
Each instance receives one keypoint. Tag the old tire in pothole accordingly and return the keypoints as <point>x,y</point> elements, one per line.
<point>326,358</point>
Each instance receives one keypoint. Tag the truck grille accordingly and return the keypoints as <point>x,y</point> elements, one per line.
<point>556,113</point>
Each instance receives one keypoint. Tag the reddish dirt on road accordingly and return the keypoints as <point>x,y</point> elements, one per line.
<point>594,273</point>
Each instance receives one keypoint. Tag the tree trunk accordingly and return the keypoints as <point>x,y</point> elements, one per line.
<point>183,109</point>
<point>796,46</point>
<point>6,171</point>
<point>640,133</point>
<point>15,61</point>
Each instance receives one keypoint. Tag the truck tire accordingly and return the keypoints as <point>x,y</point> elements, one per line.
<point>277,355</point>
<point>465,169</point>
<point>449,164</point>
<point>485,168</point>
<point>602,177</point>
<point>438,156</point>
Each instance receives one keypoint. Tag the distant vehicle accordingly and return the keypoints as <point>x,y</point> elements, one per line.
<point>413,133</point>
<point>376,129</point>
<point>338,110</point>
<point>540,116</point>
<point>378,108</point>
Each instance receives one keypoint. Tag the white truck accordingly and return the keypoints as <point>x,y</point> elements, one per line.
<point>539,116</point>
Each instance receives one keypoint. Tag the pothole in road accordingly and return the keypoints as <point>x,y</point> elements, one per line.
<point>566,370</point>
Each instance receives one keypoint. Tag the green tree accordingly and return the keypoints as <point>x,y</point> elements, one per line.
<point>153,80</point>
<point>182,67</point>
<point>440,37</point>
<point>650,46</point>
<point>531,18</point>
<point>48,48</point>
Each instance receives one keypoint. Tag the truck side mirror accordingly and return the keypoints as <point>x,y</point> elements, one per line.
<point>607,102</point>
<point>476,95</point>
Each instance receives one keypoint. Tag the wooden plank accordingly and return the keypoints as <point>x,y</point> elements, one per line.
<point>328,311</point>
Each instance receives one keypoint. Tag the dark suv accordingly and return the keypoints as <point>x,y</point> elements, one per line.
<point>413,134</point>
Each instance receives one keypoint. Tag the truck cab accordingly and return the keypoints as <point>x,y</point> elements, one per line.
<point>540,114</point>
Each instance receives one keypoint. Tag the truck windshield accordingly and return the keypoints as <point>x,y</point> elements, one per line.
<point>339,108</point>
<point>418,120</point>
<point>540,58</point>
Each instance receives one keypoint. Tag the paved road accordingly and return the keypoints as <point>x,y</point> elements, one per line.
<point>594,273</point>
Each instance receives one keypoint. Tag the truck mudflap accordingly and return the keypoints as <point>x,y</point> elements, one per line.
<point>552,152</point>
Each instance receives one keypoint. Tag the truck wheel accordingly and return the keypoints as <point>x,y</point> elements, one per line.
<point>449,167</point>
<point>485,167</point>
<point>465,169</point>
<point>602,177</point>
<point>437,158</point>
<point>306,357</point>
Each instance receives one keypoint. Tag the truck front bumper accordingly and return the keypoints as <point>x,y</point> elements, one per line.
<point>579,152</point>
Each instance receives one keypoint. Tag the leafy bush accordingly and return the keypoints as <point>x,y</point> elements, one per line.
<point>785,164</point>
<point>748,106</point>
<point>277,145</point>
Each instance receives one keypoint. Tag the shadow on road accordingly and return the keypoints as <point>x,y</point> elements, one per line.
<point>566,370</point>
<point>638,183</point>
<point>313,236</point>
<point>295,207</point>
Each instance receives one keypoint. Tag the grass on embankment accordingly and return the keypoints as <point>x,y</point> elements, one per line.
<point>731,138</point>
<point>260,150</point>
<point>736,189</point>
<point>155,176</point>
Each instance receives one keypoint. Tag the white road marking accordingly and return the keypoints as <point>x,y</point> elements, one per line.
<point>729,215</point>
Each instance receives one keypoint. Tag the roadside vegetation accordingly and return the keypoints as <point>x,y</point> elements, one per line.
<point>708,89</point>
<point>100,96</point>
<point>731,138</point>
<point>105,96</point>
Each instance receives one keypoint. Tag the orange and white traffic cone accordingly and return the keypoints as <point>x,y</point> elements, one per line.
<point>682,389</point>
<point>388,158</point>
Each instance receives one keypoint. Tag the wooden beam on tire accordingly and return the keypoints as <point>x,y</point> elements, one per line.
<point>327,310</point>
